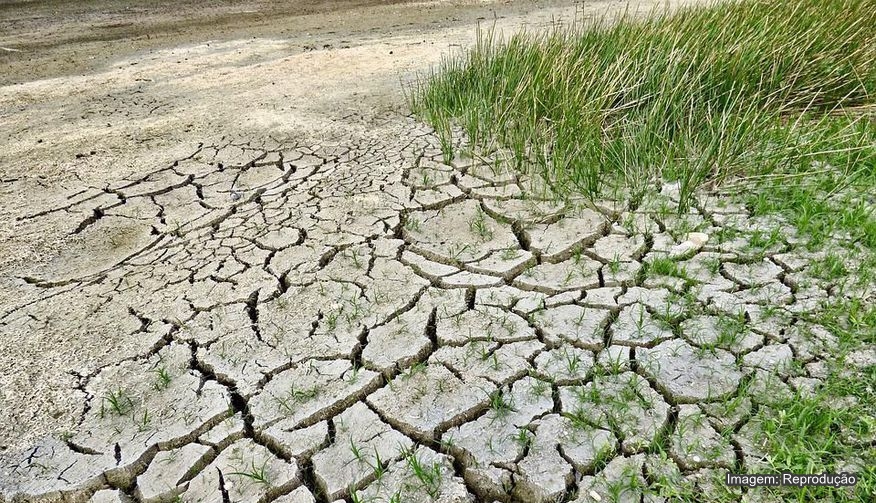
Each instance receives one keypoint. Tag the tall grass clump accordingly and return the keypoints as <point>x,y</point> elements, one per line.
<point>698,95</point>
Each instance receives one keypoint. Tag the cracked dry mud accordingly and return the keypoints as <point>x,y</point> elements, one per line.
<point>307,322</point>
<point>274,318</point>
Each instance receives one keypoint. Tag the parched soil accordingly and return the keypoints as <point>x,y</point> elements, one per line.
<point>235,269</point>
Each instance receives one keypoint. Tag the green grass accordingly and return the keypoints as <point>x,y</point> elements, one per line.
<point>768,103</point>
<point>765,91</point>
<point>824,202</point>
<point>808,434</point>
<point>117,402</point>
<point>255,473</point>
<point>429,476</point>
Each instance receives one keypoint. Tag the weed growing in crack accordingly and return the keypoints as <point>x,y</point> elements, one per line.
<point>567,280</point>
<point>144,420</point>
<point>509,326</point>
<point>295,396</point>
<point>829,268</point>
<point>523,438</point>
<point>580,418</point>
<point>630,481</point>
<point>430,476</point>
<point>615,264</point>
<point>380,296</point>
<point>162,378</point>
<point>500,405</point>
<point>640,322</point>
<point>355,497</point>
<point>355,254</point>
<point>354,449</point>
<point>478,224</point>
<point>730,330</point>
<point>616,364</point>
<point>255,473</point>
<point>762,241</point>
<point>726,234</point>
<point>356,312</point>
<point>540,388</point>
<point>117,402</point>
<point>664,266</point>
<point>413,370</point>
<point>713,265</point>
<point>509,254</point>
<point>573,361</point>
<point>494,362</point>
<point>603,457</point>
<point>426,180</point>
<point>377,468</point>
<point>331,319</point>
<point>456,250</point>
<point>489,444</point>
<point>448,442</point>
<point>351,376</point>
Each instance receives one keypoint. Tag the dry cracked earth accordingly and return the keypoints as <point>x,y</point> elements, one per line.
<point>335,321</point>
<point>355,319</point>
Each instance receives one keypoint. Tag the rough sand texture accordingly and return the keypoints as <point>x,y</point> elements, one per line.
<point>238,271</point>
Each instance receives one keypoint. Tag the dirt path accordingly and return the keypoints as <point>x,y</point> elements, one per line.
<point>54,38</point>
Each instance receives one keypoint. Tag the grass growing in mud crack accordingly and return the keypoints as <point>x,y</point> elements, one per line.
<point>766,92</point>
<point>767,103</point>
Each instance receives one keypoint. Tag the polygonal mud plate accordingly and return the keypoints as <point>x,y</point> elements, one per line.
<point>428,399</point>
<point>624,402</point>
<point>690,374</point>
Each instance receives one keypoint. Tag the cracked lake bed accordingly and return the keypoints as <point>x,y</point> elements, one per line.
<point>309,322</point>
<point>351,316</point>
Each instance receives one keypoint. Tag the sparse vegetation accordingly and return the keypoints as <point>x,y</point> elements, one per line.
<point>769,104</point>
<point>294,396</point>
<point>255,473</point>
<point>117,401</point>
<point>510,345</point>
<point>162,378</point>
<point>428,475</point>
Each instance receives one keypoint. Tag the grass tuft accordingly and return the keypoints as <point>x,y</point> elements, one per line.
<point>761,91</point>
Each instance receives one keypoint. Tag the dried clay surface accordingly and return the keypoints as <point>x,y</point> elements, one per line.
<point>312,304</point>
